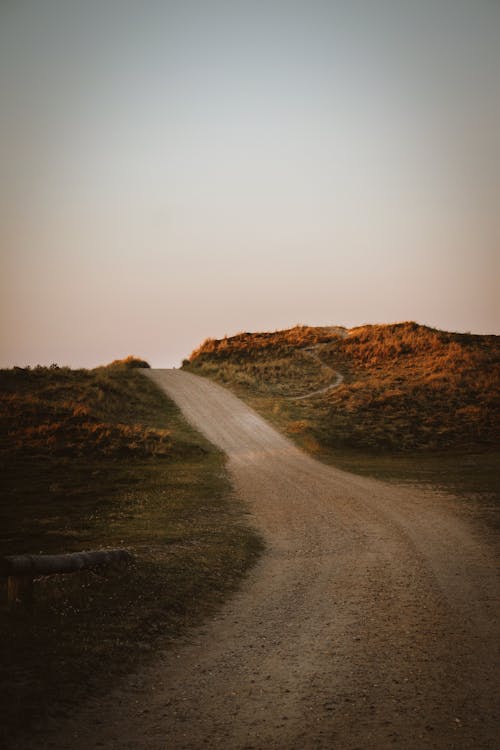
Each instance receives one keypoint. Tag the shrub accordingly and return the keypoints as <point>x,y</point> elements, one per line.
<point>130,362</point>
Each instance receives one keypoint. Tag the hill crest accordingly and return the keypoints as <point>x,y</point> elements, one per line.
<point>406,386</point>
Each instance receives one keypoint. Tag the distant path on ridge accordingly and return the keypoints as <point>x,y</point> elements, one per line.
<point>370,621</point>
<point>312,351</point>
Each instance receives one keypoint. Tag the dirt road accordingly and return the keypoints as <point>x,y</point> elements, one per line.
<point>369,622</point>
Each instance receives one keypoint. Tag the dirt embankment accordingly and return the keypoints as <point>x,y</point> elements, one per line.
<point>368,623</point>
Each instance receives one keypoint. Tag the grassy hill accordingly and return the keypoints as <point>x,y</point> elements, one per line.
<point>415,402</point>
<point>101,458</point>
<point>405,386</point>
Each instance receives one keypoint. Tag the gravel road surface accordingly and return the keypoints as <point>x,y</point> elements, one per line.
<point>370,622</point>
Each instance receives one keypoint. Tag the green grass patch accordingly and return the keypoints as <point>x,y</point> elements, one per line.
<point>148,483</point>
<point>472,476</point>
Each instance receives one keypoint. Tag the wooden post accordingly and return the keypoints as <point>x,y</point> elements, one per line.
<point>20,570</point>
<point>19,592</point>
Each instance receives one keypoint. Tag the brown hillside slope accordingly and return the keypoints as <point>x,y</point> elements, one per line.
<point>406,386</point>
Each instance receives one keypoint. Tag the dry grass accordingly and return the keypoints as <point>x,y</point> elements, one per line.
<point>407,387</point>
<point>60,412</point>
<point>411,387</point>
<point>94,459</point>
<point>416,405</point>
<point>246,346</point>
<point>274,363</point>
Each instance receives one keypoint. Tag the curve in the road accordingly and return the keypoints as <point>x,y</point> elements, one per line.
<point>369,622</point>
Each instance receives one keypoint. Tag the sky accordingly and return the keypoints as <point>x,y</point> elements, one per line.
<point>181,169</point>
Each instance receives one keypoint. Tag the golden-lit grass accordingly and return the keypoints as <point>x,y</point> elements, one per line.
<point>274,363</point>
<point>93,459</point>
<point>416,404</point>
<point>406,387</point>
<point>59,412</point>
<point>412,387</point>
<point>253,345</point>
<point>70,429</point>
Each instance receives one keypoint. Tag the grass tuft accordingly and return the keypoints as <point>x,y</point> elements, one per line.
<point>96,459</point>
<point>406,386</point>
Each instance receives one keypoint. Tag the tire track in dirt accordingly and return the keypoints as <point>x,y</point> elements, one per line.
<point>369,622</point>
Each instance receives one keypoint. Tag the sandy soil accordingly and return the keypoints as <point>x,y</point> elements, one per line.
<point>370,622</point>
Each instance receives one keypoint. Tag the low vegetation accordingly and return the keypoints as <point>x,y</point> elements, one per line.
<point>266,364</point>
<point>405,386</point>
<point>415,402</point>
<point>96,459</point>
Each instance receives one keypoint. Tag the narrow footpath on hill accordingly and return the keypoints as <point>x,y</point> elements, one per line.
<point>337,377</point>
<point>370,621</point>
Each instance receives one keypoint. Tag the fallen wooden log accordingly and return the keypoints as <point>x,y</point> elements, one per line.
<point>43,565</point>
<point>20,570</point>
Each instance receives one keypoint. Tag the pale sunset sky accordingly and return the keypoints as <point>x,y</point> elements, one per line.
<point>178,169</point>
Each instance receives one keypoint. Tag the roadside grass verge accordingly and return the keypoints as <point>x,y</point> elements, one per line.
<point>95,459</point>
<point>416,404</point>
<point>471,476</point>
